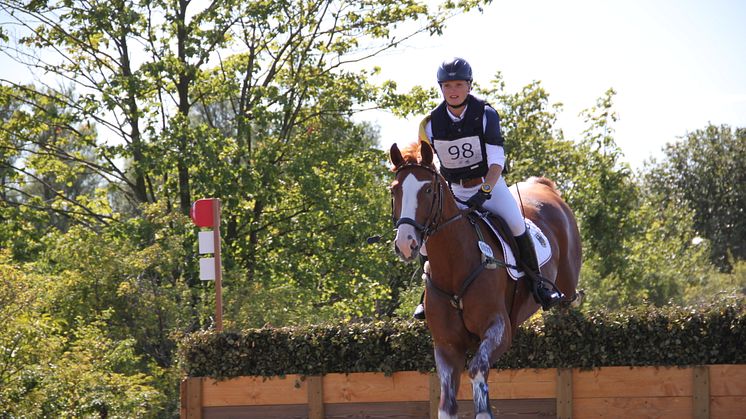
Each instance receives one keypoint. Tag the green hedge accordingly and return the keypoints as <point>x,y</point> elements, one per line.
<point>642,336</point>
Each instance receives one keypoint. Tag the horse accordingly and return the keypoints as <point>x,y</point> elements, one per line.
<point>469,309</point>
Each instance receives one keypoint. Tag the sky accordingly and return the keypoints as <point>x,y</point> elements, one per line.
<point>675,65</point>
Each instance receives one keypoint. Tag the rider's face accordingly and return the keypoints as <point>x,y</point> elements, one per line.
<point>455,91</point>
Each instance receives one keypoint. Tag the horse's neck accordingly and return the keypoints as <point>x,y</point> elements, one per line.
<point>453,250</point>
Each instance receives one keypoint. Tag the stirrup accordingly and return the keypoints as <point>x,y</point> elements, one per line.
<point>546,297</point>
<point>549,298</point>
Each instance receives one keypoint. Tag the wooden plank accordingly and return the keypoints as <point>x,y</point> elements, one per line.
<point>434,395</point>
<point>608,391</point>
<point>369,387</point>
<point>564,393</point>
<point>285,411</point>
<point>701,393</point>
<point>251,391</point>
<point>633,407</point>
<point>193,397</point>
<point>609,382</point>
<point>515,384</point>
<point>513,409</point>
<point>727,380</point>
<point>397,410</point>
<point>315,397</point>
<point>728,407</point>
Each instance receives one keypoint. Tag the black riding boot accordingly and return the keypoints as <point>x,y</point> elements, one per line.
<point>419,311</point>
<point>548,298</point>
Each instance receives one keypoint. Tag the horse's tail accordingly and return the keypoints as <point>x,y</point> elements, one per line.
<point>544,181</point>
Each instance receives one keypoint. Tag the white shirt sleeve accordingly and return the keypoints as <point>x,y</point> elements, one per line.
<point>495,155</point>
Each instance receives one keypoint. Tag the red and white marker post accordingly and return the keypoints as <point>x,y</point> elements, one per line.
<point>206,213</point>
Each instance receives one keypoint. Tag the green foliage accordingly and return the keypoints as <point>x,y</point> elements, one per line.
<point>635,337</point>
<point>609,195</point>
<point>96,375</point>
<point>97,176</point>
<point>589,173</point>
<point>533,146</point>
<point>142,286</point>
<point>705,172</point>
<point>385,346</point>
<point>662,257</point>
<point>53,368</point>
<point>251,102</point>
<point>717,285</point>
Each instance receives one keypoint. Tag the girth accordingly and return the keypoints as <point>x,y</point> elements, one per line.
<point>457,300</point>
<point>488,262</point>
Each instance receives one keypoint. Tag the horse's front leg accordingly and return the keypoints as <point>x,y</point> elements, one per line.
<point>449,363</point>
<point>494,342</point>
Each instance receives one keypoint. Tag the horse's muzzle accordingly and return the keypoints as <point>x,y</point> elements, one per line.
<point>406,243</point>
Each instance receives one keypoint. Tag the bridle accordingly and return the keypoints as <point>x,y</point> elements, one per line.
<point>434,221</point>
<point>434,224</point>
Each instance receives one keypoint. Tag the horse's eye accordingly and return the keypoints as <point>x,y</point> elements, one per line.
<point>429,190</point>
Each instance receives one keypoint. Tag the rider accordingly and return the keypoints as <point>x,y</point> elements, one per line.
<point>465,133</point>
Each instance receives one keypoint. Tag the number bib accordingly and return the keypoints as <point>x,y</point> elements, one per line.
<point>460,153</point>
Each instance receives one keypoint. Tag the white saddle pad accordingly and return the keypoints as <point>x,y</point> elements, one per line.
<point>541,244</point>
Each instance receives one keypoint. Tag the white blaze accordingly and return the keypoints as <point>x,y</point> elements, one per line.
<point>405,233</point>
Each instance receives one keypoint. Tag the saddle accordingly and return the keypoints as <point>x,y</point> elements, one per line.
<point>501,232</point>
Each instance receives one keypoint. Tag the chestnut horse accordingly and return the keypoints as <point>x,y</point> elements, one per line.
<point>468,308</point>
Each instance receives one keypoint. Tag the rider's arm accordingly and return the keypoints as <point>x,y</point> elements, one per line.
<point>495,162</point>
<point>494,145</point>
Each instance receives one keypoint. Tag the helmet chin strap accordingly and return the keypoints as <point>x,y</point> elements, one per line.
<point>460,105</point>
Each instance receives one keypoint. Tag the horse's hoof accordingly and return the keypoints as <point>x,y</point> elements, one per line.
<point>578,299</point>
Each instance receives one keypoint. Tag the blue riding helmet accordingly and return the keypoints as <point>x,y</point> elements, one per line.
<point>454,69</point>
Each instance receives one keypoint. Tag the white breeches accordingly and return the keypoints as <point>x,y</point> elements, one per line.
<point>502,203</point>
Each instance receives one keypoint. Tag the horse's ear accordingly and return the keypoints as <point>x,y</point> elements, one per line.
<point>395,155</point>
<point>426,153</point>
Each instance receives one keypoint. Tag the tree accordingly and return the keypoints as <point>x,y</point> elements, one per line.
<point>47,177</point>
<point>594,181</point>
<point>706,173</point>
<point>664,259</point>
<point>609,194</point>
<point>245,101</point>
<point>51,368</point>
<point>534,147</point>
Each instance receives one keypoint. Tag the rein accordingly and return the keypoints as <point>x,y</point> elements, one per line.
<point>435,224</point>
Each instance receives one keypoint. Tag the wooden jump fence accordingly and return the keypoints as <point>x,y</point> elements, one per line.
<point>699,392</point>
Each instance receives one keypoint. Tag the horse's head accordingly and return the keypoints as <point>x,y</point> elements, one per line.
<point>416,199</point>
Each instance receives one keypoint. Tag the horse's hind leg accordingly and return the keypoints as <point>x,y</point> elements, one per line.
<point>493,344</point>
<point>449,363</point>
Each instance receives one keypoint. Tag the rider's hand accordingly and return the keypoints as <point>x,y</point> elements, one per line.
<point>478,199</point>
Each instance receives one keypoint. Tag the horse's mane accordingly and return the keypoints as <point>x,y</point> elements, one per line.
<point>411,152</point>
